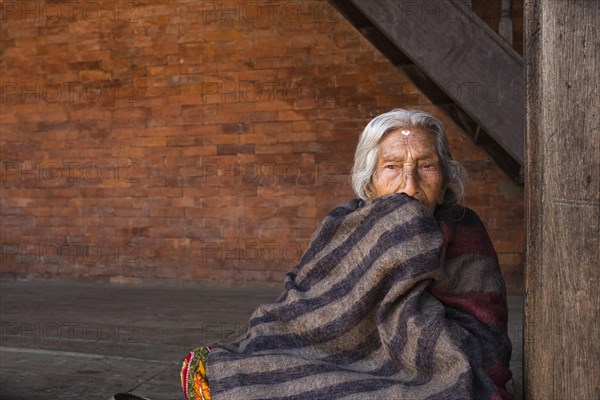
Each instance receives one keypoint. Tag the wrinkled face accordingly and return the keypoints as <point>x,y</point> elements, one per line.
<point>407,162</point>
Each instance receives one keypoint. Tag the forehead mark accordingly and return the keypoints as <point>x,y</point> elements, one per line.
<point>398,146</point>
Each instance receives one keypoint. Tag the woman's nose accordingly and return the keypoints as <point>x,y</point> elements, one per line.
<point>409,184</point>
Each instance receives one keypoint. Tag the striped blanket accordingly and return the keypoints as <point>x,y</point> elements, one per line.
<point>386,303</point>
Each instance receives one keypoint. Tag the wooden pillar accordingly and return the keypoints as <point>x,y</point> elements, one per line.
<point>562,276</point>
<point>505,26</point>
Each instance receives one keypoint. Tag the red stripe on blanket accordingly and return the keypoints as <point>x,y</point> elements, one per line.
<point>500,374</point>
<point>448,234</point>
<point>469,240</point>
<point>489,308</point>
<point>502,394</point>
<point>505,395</point>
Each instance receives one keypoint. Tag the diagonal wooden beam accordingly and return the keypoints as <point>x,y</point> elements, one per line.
<point>467,60</point>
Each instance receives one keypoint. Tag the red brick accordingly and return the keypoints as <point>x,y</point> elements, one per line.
<point>173,127</point>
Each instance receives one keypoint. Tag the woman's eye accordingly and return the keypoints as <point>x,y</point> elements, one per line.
<point>428,166</point>
<point>391,166</point>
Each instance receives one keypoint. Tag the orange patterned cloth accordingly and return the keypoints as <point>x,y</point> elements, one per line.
<point>194,374</point>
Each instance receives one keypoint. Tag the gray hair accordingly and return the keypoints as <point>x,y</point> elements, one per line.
<point>365,158</point>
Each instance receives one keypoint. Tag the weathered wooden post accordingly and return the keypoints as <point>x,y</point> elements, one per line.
<point>562,277</point>
<point>505,26</point>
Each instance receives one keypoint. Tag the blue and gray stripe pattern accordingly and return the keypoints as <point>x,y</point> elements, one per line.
<point>356,319</point>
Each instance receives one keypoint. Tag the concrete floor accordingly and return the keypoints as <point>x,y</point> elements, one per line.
<point>62,340</point>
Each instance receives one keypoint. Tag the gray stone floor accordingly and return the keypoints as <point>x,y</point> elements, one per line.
<point>61,340</point>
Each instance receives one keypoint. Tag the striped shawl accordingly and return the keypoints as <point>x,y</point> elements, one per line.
<point>386,303</point>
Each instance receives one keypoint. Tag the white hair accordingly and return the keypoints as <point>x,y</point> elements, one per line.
<point>365,158</point>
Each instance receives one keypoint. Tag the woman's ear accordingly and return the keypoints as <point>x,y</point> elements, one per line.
<point>368,190</point>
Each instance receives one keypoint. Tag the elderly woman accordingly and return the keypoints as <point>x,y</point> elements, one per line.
<point>399,294</point>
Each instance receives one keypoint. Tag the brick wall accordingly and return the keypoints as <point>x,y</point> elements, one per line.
<point>191,140</point>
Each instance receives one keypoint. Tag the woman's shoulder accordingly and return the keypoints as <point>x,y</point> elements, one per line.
<point>464,230</point>
<point>456,214</point>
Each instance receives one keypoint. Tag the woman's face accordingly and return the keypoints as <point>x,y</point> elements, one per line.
<point>407,162</point>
